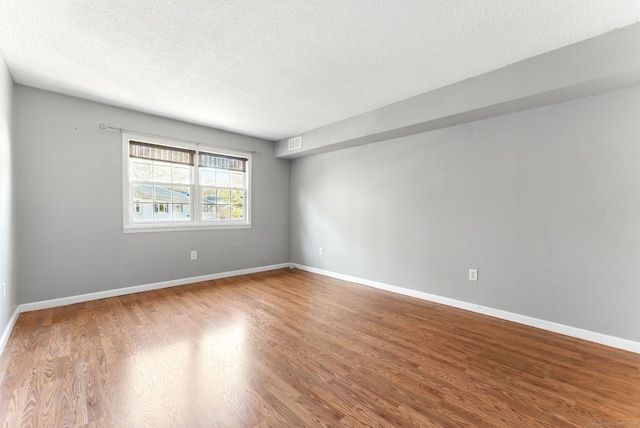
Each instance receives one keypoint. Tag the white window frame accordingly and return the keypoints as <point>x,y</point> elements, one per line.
<point>195,222</point>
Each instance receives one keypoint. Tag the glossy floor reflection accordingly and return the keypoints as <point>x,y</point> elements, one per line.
<point>290,349</point>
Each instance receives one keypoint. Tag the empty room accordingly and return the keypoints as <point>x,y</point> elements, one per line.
<point>304,213</point>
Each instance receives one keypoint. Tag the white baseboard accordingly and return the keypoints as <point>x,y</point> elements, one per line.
<point>8,329</point>
<point>603,339</point>
<point>45,304</point>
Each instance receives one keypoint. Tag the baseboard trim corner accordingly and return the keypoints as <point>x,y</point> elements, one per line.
<point>8,329</point>
<point>578,333</point>
<point>63,301</point>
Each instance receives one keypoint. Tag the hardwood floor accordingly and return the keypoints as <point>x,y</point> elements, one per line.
<point>292,349</point>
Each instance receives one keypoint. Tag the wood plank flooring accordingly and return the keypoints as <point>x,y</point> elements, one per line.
<point>291,349</point>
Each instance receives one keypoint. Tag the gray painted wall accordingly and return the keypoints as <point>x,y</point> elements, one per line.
<point>8,206</point>
<point>546,203</point>
<point>69,175</point>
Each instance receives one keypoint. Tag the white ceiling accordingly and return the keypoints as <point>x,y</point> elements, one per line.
<point>277,68</point>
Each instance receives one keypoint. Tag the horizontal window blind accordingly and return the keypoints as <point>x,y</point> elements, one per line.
<point>156,152</point>
<point>223,162</point>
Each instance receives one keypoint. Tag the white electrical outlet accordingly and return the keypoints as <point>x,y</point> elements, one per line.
<point>473,274</point>
<point>194,255</point>
<point>321,251</point>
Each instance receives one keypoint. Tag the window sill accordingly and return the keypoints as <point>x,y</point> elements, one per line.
<point>183,228</point>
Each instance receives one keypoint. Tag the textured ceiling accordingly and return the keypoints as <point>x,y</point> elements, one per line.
<point>281,67</point>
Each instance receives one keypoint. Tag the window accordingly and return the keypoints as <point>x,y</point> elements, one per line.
<point>170,185</point>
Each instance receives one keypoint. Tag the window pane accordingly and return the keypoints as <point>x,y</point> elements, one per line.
<point>180,206</point>
<point>142,211</point>
<point>161,211</point>
<point>208,212</point>
<point>222,179</point>
<point>236,211</point>
<point>141,171</point>
<point>163,193</point>
<point>142,193</point>
<point>236,180</point>
<point>237,197</point>
<point>162,173</point>
<point>207,177</point>
<point>223,197</point>
<point>208,196</point>
<point>181,211</point>
<point>180,175</point>
<point>181,195</point>
<point>223,212</point>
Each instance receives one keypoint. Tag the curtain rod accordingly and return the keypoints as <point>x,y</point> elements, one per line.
<point>121,130</point>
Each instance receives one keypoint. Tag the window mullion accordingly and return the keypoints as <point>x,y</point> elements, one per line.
<point>130,203</point>
<point>197,195</point>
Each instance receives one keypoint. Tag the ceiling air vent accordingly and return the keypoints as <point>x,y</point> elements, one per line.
<point>295,143</point>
